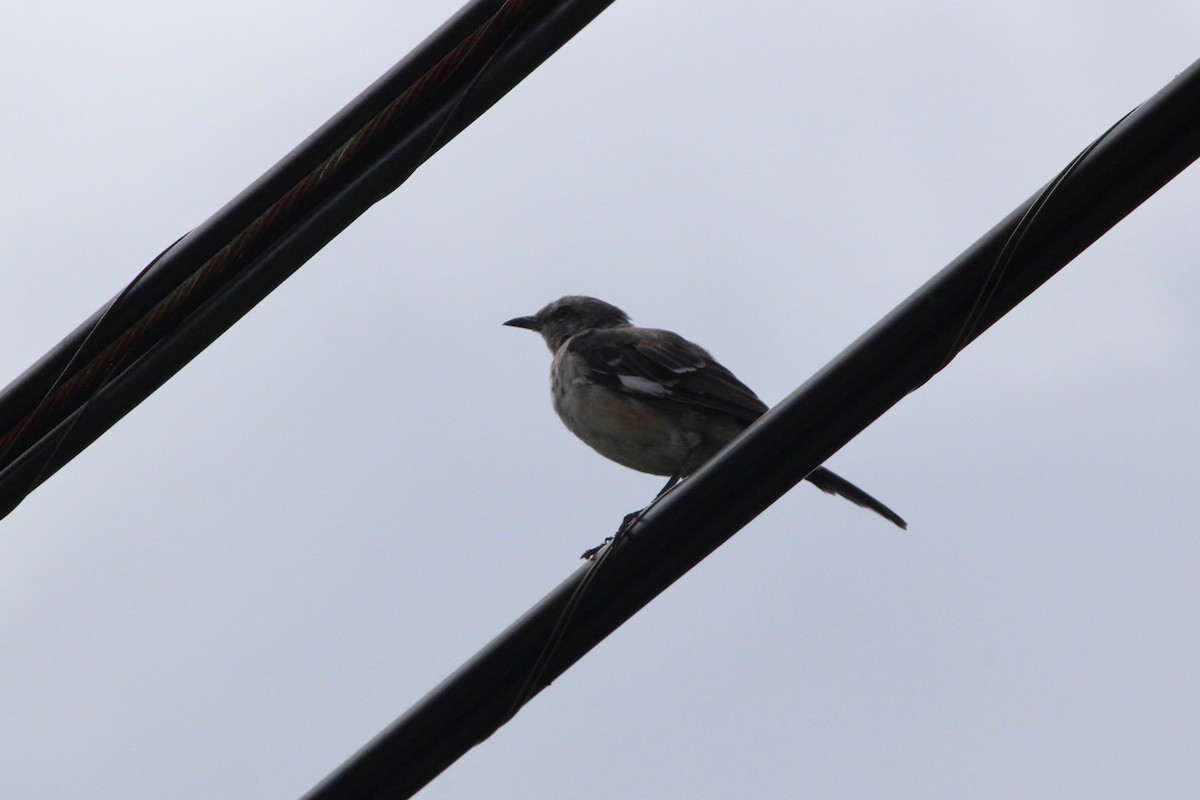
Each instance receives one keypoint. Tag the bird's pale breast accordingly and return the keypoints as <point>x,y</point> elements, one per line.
<point>633,432</point>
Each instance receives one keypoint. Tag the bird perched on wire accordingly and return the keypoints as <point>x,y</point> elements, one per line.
<point>650,399</point>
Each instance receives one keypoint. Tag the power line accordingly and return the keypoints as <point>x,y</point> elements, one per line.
<point>900,353</point>
<point>215,274</point>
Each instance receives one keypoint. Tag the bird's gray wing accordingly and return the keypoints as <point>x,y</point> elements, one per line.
<point>663,367</point>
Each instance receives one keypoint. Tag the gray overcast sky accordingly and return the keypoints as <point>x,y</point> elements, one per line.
<point>363,482</point>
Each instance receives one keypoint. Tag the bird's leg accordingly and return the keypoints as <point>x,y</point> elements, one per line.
<point>674,479</point>
<point>634,517</point>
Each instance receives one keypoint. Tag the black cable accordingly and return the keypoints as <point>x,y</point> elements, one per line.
<point>216,273</point>
<point>1112,177</point>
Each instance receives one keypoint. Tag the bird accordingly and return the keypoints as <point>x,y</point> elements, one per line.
<point>649,399</point>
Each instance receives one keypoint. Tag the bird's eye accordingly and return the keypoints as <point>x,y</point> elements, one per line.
<point>563,312</point>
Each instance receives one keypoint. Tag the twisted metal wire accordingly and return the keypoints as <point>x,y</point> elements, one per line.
<point>76,386</point>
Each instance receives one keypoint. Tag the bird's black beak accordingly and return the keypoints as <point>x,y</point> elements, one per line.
<point>532,323</point>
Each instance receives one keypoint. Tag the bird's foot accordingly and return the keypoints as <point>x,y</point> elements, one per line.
<point>627,523</point>
<point>590,553</point>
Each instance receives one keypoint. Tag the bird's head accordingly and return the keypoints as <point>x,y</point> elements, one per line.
<point>570,315</point>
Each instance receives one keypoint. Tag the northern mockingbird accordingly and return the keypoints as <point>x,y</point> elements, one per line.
<point>650,399</point>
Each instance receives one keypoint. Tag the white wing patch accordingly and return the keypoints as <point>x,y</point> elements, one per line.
<point>636,383</point>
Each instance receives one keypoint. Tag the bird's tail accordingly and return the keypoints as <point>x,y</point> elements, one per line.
<point>833,483</point>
